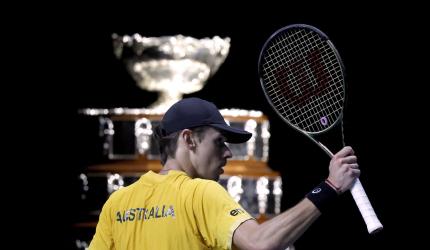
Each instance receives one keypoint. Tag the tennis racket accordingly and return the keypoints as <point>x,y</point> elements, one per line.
<point>302,76</point>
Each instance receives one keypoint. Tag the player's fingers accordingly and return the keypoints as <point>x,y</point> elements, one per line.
<point>354,173</point>
<point>345,151</point>
<point>354,166</point>
<point>351,159</point>
<point>345,168</point>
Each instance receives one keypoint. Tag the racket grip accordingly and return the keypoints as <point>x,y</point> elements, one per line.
<point>362,201</point>
<point>366,209</point>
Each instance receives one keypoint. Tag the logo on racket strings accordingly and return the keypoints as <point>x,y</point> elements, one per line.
<point>297,83</point>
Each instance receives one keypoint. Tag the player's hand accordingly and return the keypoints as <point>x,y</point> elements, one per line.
<point>343,169</point>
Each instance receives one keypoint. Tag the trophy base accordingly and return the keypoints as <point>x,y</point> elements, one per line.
<point>164,102</point>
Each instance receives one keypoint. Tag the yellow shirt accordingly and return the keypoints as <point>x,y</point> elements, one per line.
<point>169,211</point>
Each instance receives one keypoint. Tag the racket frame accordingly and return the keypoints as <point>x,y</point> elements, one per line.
<point>357,191</point>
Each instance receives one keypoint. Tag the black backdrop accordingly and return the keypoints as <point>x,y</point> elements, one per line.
<point>83,72</point>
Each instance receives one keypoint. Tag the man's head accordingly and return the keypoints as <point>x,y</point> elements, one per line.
<point>194,112</point>
<point>198,123</point>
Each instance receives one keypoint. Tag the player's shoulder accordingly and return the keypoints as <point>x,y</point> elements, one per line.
<point>206,186</point>
<point>201,183</point>
<point>122,192</point>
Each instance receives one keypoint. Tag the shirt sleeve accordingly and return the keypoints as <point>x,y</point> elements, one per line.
<point>218,215</point>
<point>103,237</point>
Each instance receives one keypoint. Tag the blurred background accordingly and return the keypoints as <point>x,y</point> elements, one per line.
<point>83,72</point>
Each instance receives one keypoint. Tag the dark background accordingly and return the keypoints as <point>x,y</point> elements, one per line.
<point>379,47</point>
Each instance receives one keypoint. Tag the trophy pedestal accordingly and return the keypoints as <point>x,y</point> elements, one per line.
<point>165,100</point>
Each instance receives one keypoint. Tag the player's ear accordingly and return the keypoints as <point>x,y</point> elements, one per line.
<point>188,139</point>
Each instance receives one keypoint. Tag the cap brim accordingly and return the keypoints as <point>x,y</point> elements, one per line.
<point>233,135</point>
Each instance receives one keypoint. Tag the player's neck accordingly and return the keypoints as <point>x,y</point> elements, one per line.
<point>171,164</point>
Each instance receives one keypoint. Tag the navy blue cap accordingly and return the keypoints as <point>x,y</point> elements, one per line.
<point>195,112</point>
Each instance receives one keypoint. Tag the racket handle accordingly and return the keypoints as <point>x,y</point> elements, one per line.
<point>366,209</point>
<point>362,201</point>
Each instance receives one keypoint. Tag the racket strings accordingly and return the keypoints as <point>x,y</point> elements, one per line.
<point>303,79</point>
<point>302,75</point>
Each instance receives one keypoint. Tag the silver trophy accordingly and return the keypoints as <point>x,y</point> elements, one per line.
<point>170,65</point>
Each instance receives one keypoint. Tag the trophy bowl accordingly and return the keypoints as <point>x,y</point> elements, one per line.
<point>170,65</point>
